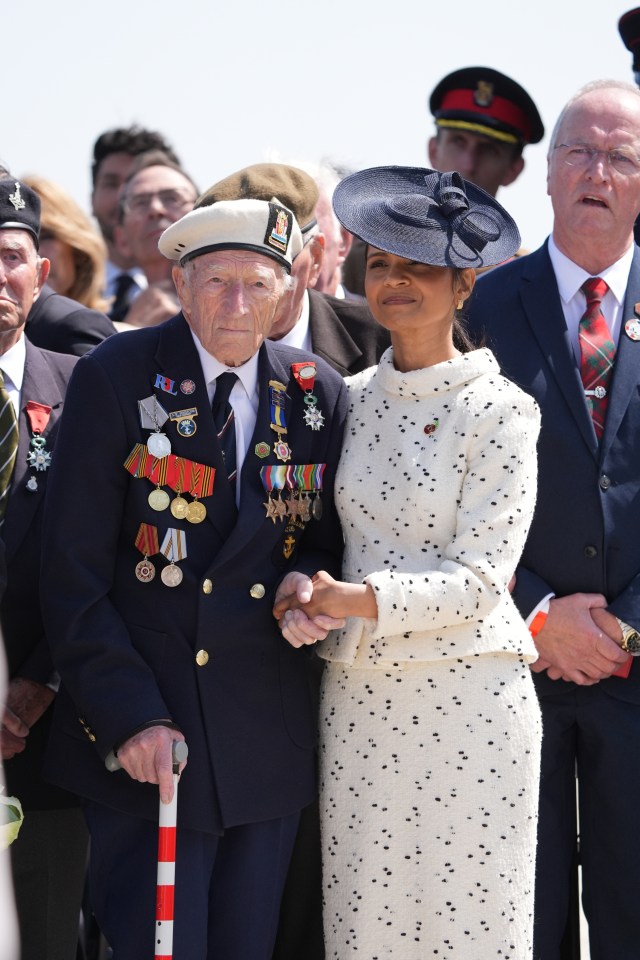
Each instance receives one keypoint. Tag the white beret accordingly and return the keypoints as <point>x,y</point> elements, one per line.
<point>266,227</point>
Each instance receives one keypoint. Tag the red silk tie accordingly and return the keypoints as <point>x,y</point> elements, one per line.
<point>597,353</point>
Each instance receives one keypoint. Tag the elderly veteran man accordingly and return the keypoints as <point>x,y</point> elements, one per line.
<point>342,332</point>
<point>49,859</point>
<point>345,334</point>
<point>564,323</point>
<point>173,522</point>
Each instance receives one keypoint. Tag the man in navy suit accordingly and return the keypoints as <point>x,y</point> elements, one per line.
<point>170,531</point>
<point>49,856</point>
<point>578,584</point>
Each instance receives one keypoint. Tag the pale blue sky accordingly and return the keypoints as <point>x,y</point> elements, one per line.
<point>228,83</point>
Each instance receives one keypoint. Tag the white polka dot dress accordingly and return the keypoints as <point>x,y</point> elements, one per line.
<point>430,727</point>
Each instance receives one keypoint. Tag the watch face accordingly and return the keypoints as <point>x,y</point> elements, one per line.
<point>632,643</point>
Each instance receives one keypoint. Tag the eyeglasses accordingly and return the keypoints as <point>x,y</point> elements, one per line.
<point>173,201</point>
<point>623,161</point>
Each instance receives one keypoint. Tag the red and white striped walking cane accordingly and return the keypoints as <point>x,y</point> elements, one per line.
<point>167,861</point>
<point>166,875</point>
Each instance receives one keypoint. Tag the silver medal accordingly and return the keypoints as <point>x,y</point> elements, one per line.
<point>159,445</point>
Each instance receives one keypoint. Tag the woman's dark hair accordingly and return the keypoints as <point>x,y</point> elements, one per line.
<point>461,339</point>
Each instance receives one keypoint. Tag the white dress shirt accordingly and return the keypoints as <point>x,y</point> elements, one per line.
<point>243,398</point>
<point>12,366</point>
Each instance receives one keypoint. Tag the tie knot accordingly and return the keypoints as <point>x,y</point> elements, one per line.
<point>594,289</point>
<point>225,383</point>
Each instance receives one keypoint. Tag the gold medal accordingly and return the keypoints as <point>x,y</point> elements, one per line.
<point>173,547</point>
<point>196,512</point>
<point>280,506</point>
<point>304,508</point>
<point>171,575</point>
<point>158,499</point>
<point>179,507</point>
<point>272,513</point>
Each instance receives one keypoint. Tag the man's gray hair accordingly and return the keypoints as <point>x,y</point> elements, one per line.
<point>588,88</point>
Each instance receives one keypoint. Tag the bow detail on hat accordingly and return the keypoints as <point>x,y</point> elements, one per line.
<point>446,199</point>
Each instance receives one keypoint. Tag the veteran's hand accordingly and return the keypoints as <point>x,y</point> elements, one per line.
<point>147,758</point>
<point>13,734</point>
<point>297,627</point>
<point>572,646</point>
<point>29,699</point>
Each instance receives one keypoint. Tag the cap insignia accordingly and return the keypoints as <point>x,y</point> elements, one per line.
<point>278,228</point>
<point>16,199</point>
<point>483,94</point>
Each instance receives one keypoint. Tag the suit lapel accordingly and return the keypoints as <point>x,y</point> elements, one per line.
<point>40,386</point>
<point>329,338</point>
<point>542,306</point>
<point>626,371</point>
<point>251,516</point>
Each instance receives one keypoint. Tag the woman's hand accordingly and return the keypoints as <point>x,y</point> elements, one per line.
<point>313,604</point>
<point>298,627</point>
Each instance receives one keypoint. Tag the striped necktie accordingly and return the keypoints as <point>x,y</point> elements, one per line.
<point>597,353</point>
<point>224,422</point>
<point>8,445</point>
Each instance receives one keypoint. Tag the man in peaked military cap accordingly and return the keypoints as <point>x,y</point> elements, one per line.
<point>483,121</point>
<point>629,29</point>
<point>211,452</point>
<point>49,858</point>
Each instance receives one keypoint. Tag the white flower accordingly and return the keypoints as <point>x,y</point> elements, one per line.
<point>11,817</point>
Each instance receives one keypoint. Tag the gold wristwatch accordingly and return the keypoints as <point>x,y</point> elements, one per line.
<point>630,638</point>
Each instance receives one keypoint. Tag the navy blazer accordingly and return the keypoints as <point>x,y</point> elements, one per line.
<point>45,380</point>
<point>585,535</point>
<point>64,325</point>
<point>126,650</point>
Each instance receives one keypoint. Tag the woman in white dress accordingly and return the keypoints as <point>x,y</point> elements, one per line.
<point>429,725</point>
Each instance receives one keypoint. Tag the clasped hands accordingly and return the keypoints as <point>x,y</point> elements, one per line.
<point>580,640</point>
<point>307,608</point>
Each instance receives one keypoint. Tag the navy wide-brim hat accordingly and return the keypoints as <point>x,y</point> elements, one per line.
<point>423,215</point>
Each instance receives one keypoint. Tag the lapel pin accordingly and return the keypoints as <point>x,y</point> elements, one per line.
<point>632,327</point>
<point>431,427</point>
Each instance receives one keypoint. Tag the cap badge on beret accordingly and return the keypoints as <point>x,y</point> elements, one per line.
<point>483,95</point>
<point>278,228</point>
<point>16,199</point>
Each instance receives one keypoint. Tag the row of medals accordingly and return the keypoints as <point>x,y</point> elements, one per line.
<point>159,446</point>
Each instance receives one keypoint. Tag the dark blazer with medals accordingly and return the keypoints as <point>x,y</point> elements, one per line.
<point>344,333</point>
<point>206,654</point>
<point>64,325</point>
<point>45,380</point>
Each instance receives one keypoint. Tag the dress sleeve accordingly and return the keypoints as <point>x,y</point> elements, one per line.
<point>493,517</point>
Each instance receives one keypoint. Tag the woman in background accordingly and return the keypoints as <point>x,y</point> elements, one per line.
<point>70,241</point>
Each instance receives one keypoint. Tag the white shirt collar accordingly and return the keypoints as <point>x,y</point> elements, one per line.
<point>570,276</point>
<point>212,368</point>
<point>300,336</point>
<point>12,365</point>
